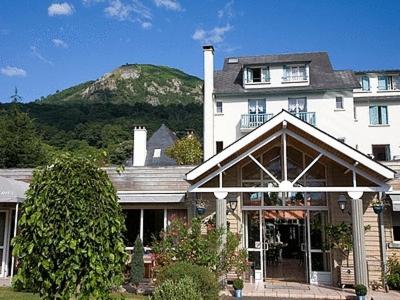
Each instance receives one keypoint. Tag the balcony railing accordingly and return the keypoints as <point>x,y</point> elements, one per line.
<point>308,117</point>
<point>294,78</point>
<point>251,121</point>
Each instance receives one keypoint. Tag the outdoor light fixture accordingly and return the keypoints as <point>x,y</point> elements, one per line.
<point>232,204</point>
<point>342,202</point>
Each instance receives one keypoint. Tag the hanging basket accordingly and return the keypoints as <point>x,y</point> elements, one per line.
<point>378,208</point>
<point>200,210</point>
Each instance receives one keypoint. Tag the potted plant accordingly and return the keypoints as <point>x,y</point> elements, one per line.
<point>377,205</point>
<point>361,291</point>
<point>238,287</point>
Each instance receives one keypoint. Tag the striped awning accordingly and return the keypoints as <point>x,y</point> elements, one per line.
<point>395,197</point>
<point>11,190</point>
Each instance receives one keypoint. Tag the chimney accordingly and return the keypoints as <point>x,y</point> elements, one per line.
<point>139,146</point>
<point>208,118</point>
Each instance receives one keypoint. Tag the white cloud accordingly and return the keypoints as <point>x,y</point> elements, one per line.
<point>13,72</point>
<point>169,4</point>
<point>146,25</point>
<point>59,9</point>
<point>213,36</point>
<point>36,53</point>
<point>227,10</point>
<point>119,10</point>
<point>59,43</point>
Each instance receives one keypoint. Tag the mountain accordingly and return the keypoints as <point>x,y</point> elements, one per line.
<point>135,83</point>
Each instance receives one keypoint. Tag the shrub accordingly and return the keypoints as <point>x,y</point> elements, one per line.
<point>393,273</point>
<point>183,289</point>
<point>137,270</point>
<point>186,151</point>
<point>206,281</point>
<point>69,242</point>
<point>361,290</point>
<point>185,243</point>
<point>238,284</point>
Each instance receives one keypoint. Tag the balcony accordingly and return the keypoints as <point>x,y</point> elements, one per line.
<point>251,121</point>
<point>295,78</point>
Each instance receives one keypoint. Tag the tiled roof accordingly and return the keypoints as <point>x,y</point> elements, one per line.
<point>322,76</point>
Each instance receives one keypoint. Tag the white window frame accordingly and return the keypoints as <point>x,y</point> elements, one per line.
<point>340,102</point>
<point>265,76</point>
<point>219,107</point>
<point>289,76</point>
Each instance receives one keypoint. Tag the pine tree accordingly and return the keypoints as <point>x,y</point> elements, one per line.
<point>137,270</point>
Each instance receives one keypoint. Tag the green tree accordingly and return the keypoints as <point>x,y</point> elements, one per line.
<point>186,151</point>
<point>137,271</point>
<point>70,234</point>
<point>20,145</point>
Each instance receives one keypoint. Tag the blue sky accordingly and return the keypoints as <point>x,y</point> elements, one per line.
<point>51,45</point>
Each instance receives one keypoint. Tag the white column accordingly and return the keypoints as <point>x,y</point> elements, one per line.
<point>359,256</point>
<point>221,213</point>
<point>141,224</point>
<point>208,118</point>
<point>14,234</point>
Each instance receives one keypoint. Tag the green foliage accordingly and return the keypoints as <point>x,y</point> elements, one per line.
<point>340,237</point>
<point>184,243</point>
<point>393,272</point>
<point>70,233</point>
<point>186,151</point>
<point>183,289</point>
<point>20,145</point>
<point>238,284</point>
<point>137,270</point>
<point>360,289</point>
<point>205,281</point>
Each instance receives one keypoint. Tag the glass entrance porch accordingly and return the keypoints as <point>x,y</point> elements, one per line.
<point>288,245</point>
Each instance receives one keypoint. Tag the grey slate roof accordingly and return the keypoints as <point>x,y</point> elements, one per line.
<point>162,139</point>
<point>229,80</point>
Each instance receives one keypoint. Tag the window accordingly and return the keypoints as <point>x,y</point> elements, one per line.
<point>339,103</point>
<point>257,106</point>
<point>381,152</point>
<point>396,226</point>
<point>219,107</point>
<point>157,153</point>
<point>220,146</point>
<point>378,115</point>
<point>257,74</point>
<point>297,105</point>
<point>385,83</point>
<point>364,81</point>
<point>294,73</point>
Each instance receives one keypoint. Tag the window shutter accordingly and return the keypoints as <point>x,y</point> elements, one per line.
<point>365,83</point>
<point>265,74</point>
<point>373,115</point>
<point>285,72</point>
<point>382,84</point>
<point>384,115</point>
<point>249,75</point>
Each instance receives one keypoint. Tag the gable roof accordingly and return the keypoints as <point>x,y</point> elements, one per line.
<point>229,80</point>
<point>162,139</point>
<point>317,134</point>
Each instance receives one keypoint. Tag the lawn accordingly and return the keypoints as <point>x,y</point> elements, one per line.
<point>9,294</point>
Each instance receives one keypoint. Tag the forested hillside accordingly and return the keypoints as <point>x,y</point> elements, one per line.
<point>98,116</point>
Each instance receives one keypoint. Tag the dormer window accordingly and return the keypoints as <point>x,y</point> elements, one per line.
<point>292,73</point>
<point>257,74</point>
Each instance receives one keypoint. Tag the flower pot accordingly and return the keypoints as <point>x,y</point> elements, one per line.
<point>377,208</point>
<point>360,298</point>
<point>200,210</point>
<point>238,293</point>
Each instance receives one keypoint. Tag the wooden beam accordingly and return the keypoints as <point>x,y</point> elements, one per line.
<point>307,168</point>
<point>264,169</point>
<point>301,189</point>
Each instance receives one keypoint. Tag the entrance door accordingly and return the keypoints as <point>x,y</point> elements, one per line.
<point>284,236</point>
<point>3,242</point>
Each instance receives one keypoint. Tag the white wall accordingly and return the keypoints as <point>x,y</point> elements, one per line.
<point>367,135</point>
<point>339,123</point>
<point>373,83</point>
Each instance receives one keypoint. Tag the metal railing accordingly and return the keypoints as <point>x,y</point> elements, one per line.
<point>294,78</point>
<point>308,117</point>
<point>249,121</point>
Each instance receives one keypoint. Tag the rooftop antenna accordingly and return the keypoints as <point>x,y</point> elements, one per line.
<point>15,98</point>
